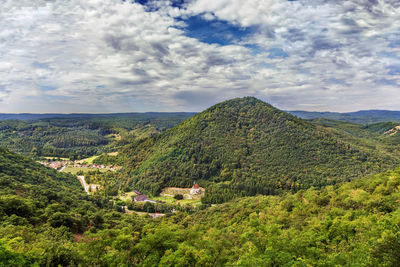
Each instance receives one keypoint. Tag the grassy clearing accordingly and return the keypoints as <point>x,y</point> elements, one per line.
<point>126,196</point>
<point>192,202</point>
<point>75,170</point>
<point>88,160</point>
<point>92,158</point>
<point>171,200</point>
<point>175,191</point>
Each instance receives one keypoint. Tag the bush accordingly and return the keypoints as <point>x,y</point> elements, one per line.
<point>178,196</point>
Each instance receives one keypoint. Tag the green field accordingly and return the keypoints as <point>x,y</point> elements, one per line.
<point>91,159</point>
<point>88,160</point>
<point>126,196</point>
<point>75,170</point>
<point>171,200</point>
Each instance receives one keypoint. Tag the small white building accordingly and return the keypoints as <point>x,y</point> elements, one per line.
<point>196,190</point>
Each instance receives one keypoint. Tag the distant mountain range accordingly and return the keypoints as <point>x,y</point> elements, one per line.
<point>362,116</point>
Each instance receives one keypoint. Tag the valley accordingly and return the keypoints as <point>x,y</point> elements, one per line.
<point>241,183</point>
<point>199,133</point>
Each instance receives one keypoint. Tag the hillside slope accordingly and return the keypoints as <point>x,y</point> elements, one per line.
<point>40,209</point>
<point>45,220</point>
<point>383,136</point>
<point>355,224</point>
<point>80,135</point>
<point>362,116</point>
<point>245,147</point>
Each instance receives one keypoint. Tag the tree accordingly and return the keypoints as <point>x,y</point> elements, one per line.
<point>178,196</point>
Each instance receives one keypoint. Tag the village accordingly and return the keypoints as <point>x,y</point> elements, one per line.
<point>133,201</point>
<point>75,166</point>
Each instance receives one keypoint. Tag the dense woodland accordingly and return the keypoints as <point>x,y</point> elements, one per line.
<point>359,117</point>
<point>246,147</point>
<point>293,192</point>
<point>46,220</point>
<point>78,137</point>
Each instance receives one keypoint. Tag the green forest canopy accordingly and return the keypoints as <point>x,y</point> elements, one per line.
<point>46,220</point>
<point>246,147</point>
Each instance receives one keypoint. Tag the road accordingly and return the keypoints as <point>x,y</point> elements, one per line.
<point>83,183</point>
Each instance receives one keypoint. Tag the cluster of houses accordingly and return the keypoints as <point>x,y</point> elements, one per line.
<point>57,165</point>
<point>142,197</point>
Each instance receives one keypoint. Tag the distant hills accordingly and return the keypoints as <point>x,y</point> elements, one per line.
<point>77,136</point>
<point>361,117</point>
<point>246,147</point>
<point>236,148</point>
<point>145,115</point>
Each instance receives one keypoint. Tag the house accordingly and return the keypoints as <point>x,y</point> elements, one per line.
<point>144,198</point>
<point>196,190</point>
<point>137,192</point>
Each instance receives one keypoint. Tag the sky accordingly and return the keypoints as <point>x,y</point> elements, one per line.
<point>103,56</point>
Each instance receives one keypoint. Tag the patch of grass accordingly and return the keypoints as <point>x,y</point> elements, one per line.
<point>75,170</point>
<point>88,160</point>
<point>166,199</point>
<point>171,200</point>
<point>193,202</point>
<point>175,191</point>
<point>126,196</point>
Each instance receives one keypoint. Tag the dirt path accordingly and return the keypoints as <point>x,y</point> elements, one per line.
<point>81,179</point>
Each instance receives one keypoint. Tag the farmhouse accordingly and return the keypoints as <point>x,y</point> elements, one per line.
<point>196,190</point>
<point>144,198</point>
<point>137,192</point>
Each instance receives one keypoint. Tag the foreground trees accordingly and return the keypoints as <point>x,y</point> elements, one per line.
<point>356,223</point>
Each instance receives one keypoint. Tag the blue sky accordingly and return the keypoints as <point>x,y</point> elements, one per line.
<point>177,55</point>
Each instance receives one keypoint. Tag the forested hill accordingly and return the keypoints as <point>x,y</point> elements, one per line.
<point>246,147</point>
<point>44,214</point>
<point>40,208</point>
<point>81,135</point>
<point>355,224</point>
<point>45,221</point>
<point>361,117</point>
<point>19,175</point>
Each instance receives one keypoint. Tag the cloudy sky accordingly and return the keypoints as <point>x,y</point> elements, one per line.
<point>177,55</point>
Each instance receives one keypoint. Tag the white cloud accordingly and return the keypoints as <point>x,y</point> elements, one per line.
<point>111,56</point>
